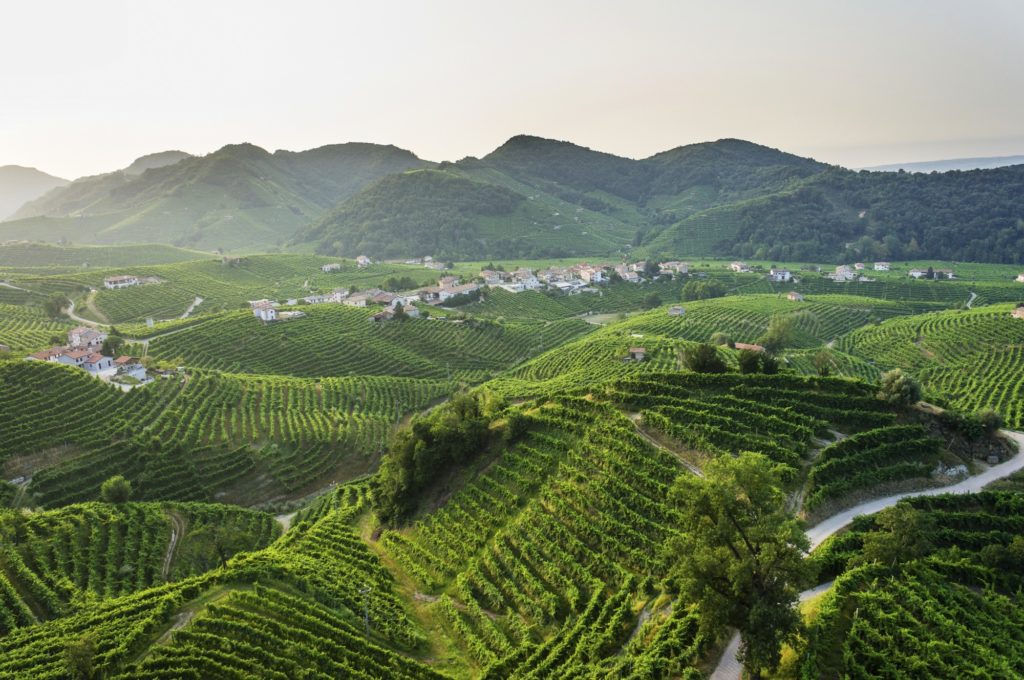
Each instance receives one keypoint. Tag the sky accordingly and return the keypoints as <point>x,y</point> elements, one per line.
<point>86,87</point>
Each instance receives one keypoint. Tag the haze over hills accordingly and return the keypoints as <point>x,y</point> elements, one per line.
<point>19,185</point>
<point>981,163</point>
<point>536,197</point>
<point>239,197</point>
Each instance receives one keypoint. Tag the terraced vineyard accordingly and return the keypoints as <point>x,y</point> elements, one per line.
<point>291,610</point>
<point>951,605</point>
<point>62,558</point>
<point>199,435</point>
<point>27,329</point>
<point>969,359</point>
<point>339,340</point>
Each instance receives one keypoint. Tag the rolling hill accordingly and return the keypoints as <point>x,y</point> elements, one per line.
<point>240,197</point>
<point>19,185</point>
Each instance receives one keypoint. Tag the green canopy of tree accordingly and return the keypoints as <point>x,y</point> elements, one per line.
<point>740,555</point>
<point>116,489</point>
<point>899,388</point>
<point>704,358</point>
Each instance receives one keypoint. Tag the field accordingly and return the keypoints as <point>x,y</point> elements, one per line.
<point>951,605</point>
<point>339,340</point>
<point>196,437</point>
<point>21,254</point>
<point>970,360</point>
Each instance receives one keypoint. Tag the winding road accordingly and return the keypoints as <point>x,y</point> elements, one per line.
<point>729,668</point>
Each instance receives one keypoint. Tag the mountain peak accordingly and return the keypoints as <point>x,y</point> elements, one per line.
<point>155,160</point>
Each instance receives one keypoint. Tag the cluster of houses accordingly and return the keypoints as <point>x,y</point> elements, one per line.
<point>84,351</point>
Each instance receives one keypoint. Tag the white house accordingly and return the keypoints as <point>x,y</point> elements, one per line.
<point>357,300</point>
<point>676,310</point>
<point>882,266</point>
<point>918,273</point>
<point>1020,278</point>
<point>491,277</point>
<point>858,266</point>
<point>795,296</point>
<point>739,267</point>
<point>82,337</point>
<point>125,281</point>
<point>448,281</point>
<point>363,261</point>
<point>52,354</point>
<point>779,275</point>
<point>332,267</point>
<point>265,311</point>
<point>843,273</point>
<point>592,274</point>
<point>675,266</point>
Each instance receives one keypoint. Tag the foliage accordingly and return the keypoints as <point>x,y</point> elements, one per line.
<point>740,554</point>
<point>117,489</point>
<point>704,358</point>
<point>898,388</point>
<point>701,289</point>
<point>55,305</point>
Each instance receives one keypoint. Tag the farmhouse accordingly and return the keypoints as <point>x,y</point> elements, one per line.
<point>779,275</point>
<point>411,311</point>
<point>843,273</point>
<point>795,296</point>
<point>882,266</point>
<point>331,267</point>
<point>363,261</point>
<point>591,274</point>
<point>357,300</point>
<point>95,362</point>
<point>83,337</point>
<point>858,266</point>
<point>918,273</point>
<point>748,346</point>
<point>943,273</point>
<point>1018,312</point>
<point>491,277</point>
<point>112,282</point>
<point>675,266</point>
<point>1020,278</point>
<point>52,354</point>
<point>636,354</point>
<point>739,267</point>
<point>676,310</point>
<point>264,310</point>
<point>130,367</point>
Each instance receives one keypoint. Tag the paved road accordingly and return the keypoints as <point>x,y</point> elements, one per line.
<point>729,667</point>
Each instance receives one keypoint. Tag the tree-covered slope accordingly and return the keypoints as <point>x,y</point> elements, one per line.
<point>239,197</point>
<point>19,185</point>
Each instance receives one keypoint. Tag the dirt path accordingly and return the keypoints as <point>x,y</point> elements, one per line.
<point>195,303</point>
<point>971,300</point>
<point>635,419</point>
<point>177,530</point>
<point>70,311</point>
<point>729,667</point>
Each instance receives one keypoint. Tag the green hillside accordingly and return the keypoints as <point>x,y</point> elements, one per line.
<point>238,198</point>
<point>970,359</point>
<point>21,254</point>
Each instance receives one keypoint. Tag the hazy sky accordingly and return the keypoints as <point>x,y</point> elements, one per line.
<point>86,87</point>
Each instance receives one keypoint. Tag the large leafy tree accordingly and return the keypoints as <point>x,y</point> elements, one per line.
<point>740,555</point>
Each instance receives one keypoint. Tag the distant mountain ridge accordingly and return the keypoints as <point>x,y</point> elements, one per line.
<point>537,197</point>
<point>238,197</point>
<point>19,185</point>
<point>980,163</point>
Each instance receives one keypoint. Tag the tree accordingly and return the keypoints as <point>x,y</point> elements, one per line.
<point>704,359</point>
<point>750,361</point>
<point>824,362</point>
<point>903,535</point>
<point>55,305</point>
<point>899,389</point>
<point>781,330</point>
<point>769,364</point>
<point>117,489</point>
<point>652,300</point>
<point>79,656</point>
<point>990,420</point>
<point>739,554</point>
<point>651,269</point>
<point>930,274</point>
<point>112,345</point>
<point>722,339</point>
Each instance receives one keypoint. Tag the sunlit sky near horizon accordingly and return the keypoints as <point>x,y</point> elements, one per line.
<point>87,87</point>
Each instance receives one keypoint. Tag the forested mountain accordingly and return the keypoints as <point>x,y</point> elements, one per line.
<point>19,185</point>
<point>535,197</point>
<point>239,197</point>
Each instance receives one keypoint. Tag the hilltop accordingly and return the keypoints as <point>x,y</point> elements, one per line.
<point>240,197</point>
<point>18,185</point>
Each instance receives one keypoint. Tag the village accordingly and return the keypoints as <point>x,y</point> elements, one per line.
<point>85,349</point>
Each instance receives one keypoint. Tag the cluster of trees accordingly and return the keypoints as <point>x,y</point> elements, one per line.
<point>431,447</point>
<point>703,289</point>
<point>841,215</point>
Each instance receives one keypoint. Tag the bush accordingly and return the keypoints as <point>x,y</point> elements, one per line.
<point>704,359</point>
<point>899,389</point>
<point>117,489</point>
